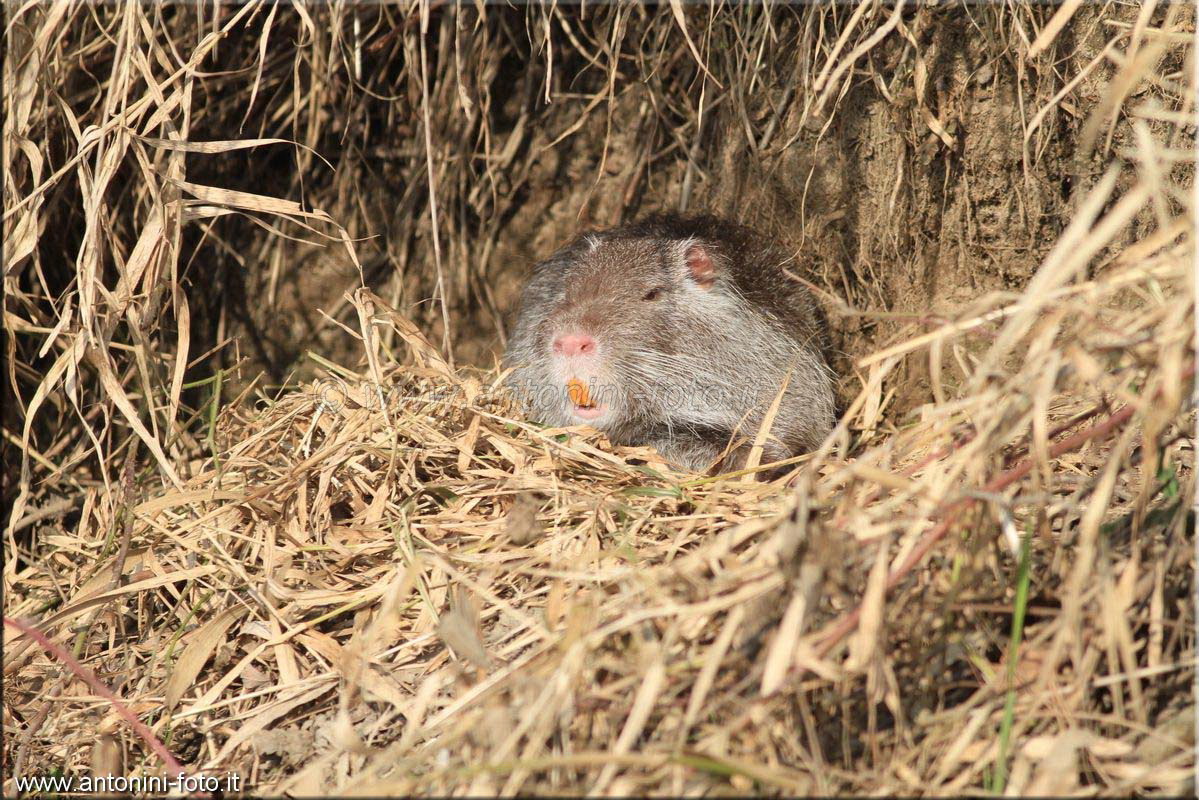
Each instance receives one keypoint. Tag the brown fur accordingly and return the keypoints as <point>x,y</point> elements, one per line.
<point>697,325</point>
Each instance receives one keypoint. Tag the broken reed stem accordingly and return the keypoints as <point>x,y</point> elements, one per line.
<point>88,677</point>
<point>949,514</point>
<point>949,449</point>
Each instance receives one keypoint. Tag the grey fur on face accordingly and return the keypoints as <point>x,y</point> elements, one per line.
<point>676,332</point>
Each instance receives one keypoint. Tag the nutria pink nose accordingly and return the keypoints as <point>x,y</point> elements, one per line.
<point>574,344</point>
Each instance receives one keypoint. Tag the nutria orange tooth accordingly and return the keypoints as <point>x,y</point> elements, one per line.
<point>577,391</point>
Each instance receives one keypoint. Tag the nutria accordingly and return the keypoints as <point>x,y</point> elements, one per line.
<point>676,332</point>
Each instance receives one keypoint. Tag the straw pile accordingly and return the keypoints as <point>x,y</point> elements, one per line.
<point>373,579</point>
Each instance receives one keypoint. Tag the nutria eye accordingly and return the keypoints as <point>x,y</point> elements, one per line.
<point>654,294</point>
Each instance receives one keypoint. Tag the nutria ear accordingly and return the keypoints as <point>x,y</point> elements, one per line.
<point>700,266</point>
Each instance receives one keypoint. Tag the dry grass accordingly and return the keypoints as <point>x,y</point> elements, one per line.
<point>376,581</point>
